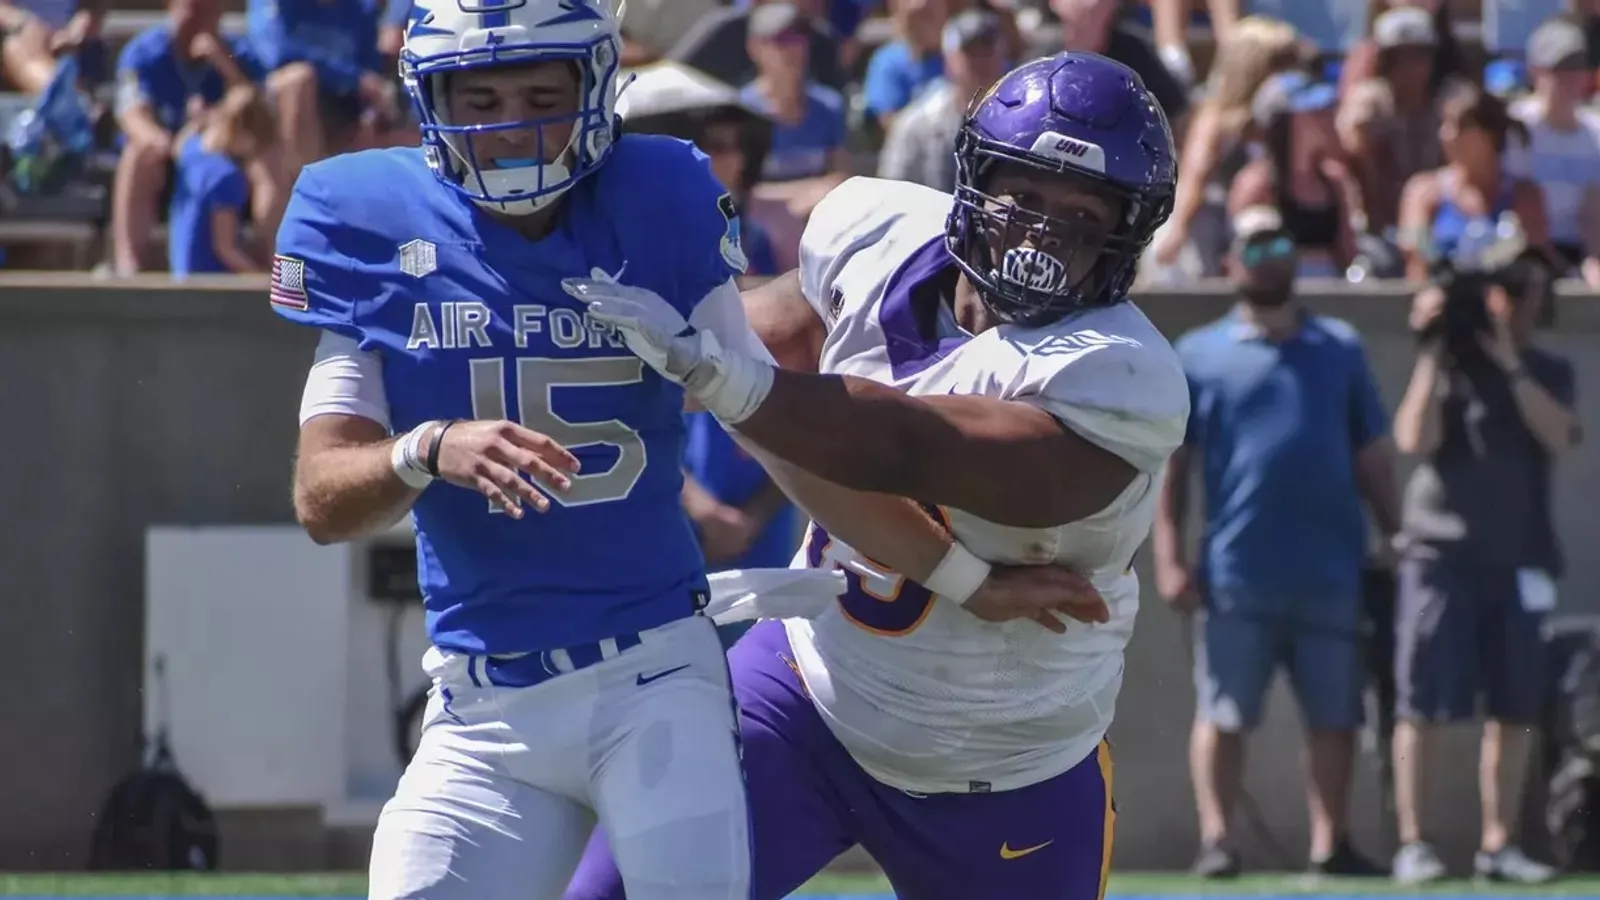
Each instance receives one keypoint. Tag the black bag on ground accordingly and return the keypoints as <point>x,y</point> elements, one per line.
<point>154,819</point>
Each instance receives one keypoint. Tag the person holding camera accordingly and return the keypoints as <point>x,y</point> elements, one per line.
<point>1487,412</point>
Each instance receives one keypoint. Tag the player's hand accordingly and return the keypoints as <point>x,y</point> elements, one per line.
<point>1175,584</point>
<point>655,331</point>
<point>491,457</point>
<point>727,384</point>
<point>1041,593</point>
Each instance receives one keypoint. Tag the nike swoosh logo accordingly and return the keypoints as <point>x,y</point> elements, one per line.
<point>644,679</point>
<point>1007,853</point>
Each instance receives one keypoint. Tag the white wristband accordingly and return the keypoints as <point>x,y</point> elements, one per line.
<point>405,457</point>
<point>959,575</point>
<point>730,385</point>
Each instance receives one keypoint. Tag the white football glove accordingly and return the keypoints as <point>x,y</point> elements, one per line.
<point>730,385</point>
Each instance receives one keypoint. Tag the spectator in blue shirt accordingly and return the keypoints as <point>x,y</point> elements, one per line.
<point>165,76</point>
<point>899,70</point>
<point>809,131</point>
<point>1288,434</point>
<point>205,221</point>
<point>324,75</point>
<point>743,519</point>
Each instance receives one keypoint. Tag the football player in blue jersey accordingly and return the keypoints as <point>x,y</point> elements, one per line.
<point>574,677</point>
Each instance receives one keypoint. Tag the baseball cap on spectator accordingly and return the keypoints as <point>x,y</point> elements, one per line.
<point>770,21</point>
<point>969,28</point>
<point>1257,222</point>
<point>1558,44</point>
<point>1404,26</point>
<point>1259,235</point>
<point>1291,92</point>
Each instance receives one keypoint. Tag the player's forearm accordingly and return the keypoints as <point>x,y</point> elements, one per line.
<point>850,431</point>
<point>978,454</point>
<point>890,530</point>
<point>345,493</point>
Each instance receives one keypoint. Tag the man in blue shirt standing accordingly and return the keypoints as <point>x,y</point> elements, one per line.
<point>1289,435</point>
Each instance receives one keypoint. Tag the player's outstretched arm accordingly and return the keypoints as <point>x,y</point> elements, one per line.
<point>1006,461</point>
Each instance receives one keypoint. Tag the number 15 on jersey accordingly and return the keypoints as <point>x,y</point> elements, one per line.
<point>537,381</point>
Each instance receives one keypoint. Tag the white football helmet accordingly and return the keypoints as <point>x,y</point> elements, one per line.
<point>445,36</point>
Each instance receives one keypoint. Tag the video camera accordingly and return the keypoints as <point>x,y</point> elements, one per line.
<point>1486,258</point>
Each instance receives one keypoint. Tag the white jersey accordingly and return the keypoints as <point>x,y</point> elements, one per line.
<point>943,701</point>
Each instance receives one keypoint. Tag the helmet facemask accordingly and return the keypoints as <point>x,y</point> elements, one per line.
<point>524,186</point>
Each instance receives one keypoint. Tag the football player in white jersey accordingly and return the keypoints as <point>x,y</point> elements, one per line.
<point>975,354</point>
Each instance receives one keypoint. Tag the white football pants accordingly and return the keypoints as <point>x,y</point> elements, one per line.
<point>507,783</point>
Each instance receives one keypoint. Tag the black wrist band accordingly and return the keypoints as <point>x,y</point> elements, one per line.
<point>432,462</point>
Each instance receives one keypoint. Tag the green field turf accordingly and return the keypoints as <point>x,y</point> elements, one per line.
<point>273,887</point>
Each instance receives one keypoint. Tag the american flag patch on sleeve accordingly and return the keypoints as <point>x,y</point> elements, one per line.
<point>289,283</point>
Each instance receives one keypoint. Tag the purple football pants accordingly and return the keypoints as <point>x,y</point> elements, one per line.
<point>810,802</point>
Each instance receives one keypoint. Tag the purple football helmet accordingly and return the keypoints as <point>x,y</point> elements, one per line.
<point>1078,115</point>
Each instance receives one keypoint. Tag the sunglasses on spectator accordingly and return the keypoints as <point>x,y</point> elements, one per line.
<point>1258,252</point>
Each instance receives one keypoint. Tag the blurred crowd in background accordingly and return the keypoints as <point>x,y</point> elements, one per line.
<point>1387,131</point>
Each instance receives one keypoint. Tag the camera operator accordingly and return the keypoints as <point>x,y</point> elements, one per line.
<point>1487,412</point>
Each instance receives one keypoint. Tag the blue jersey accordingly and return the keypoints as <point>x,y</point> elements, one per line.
<point>471,322</point>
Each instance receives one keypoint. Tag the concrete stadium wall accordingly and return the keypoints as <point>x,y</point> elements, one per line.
<point>147,403</point>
